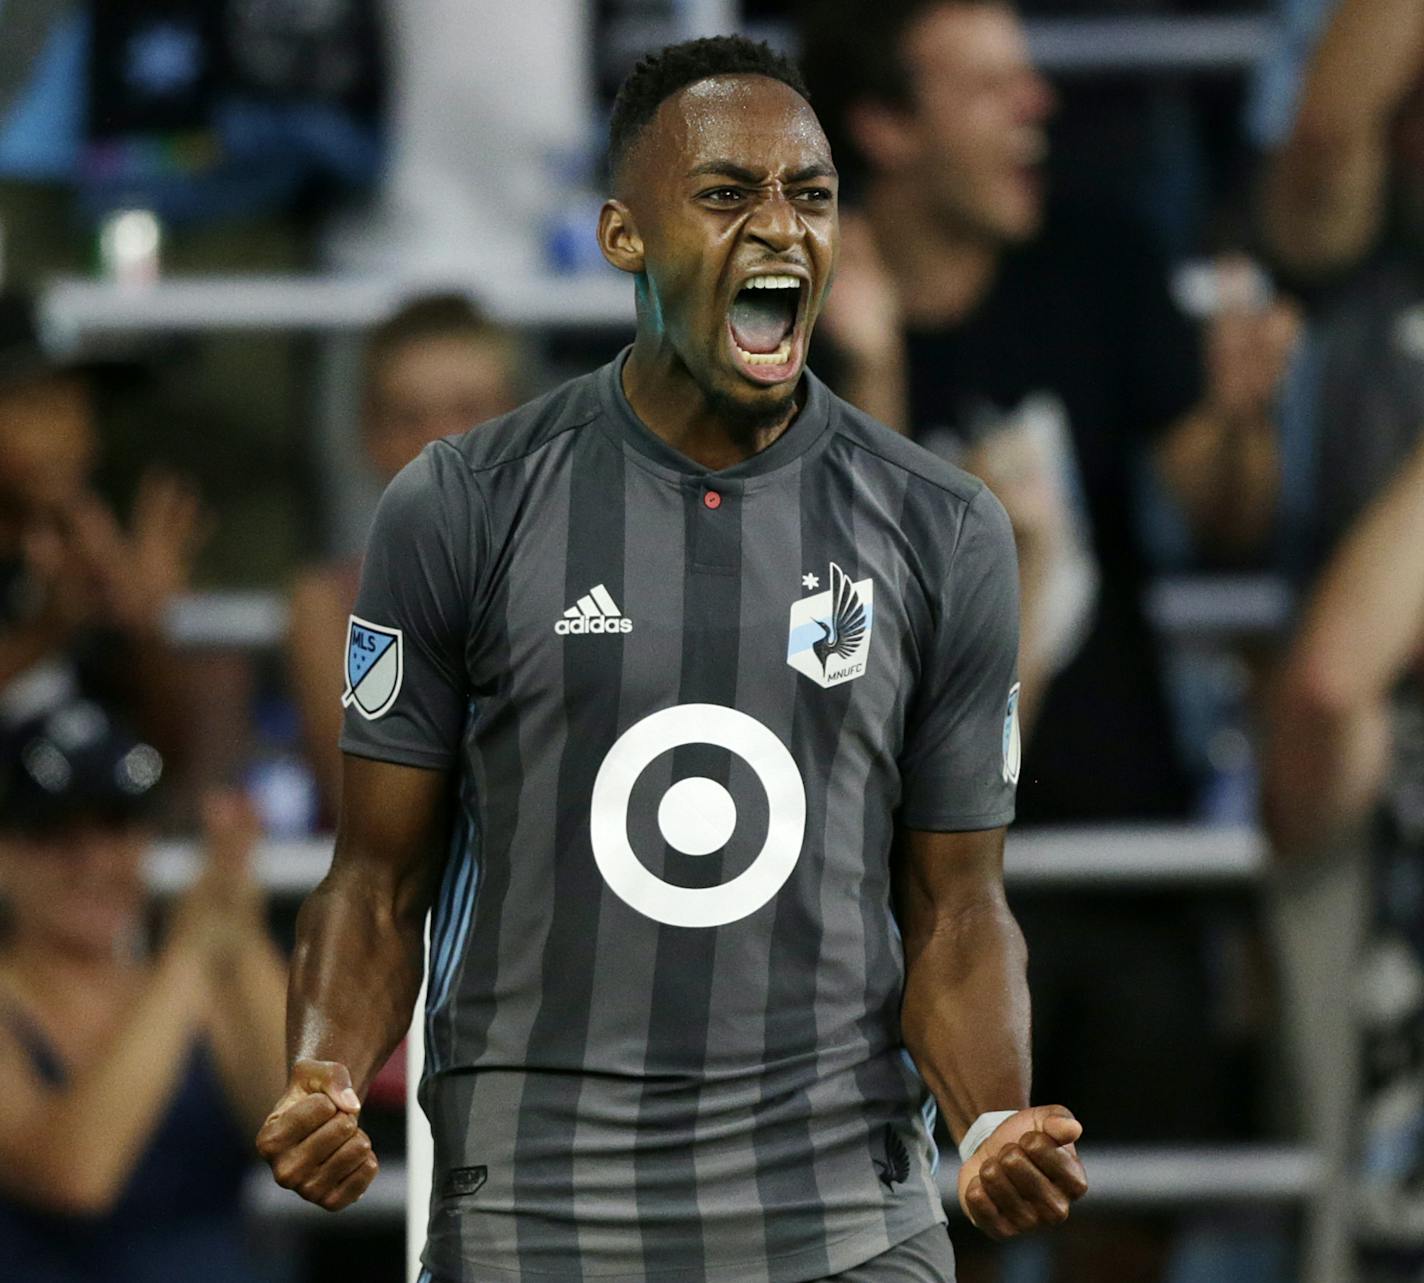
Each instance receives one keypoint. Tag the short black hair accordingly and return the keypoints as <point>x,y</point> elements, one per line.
<point>658,76</point>
<point>852,53</point>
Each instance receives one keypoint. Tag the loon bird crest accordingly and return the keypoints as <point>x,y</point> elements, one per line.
<point>843,633</point>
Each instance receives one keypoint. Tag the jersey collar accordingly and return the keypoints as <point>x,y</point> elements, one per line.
<point>807,429</point>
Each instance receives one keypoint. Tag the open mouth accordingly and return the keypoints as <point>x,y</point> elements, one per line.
<point>763,323</point>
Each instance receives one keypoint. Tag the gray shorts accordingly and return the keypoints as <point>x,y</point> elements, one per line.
<point>925,1258</point>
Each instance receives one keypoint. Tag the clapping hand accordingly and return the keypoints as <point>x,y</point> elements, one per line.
<point>1249,343</point>
<point>142,569</point>
<point>89,570</point>
<point>222,911</point>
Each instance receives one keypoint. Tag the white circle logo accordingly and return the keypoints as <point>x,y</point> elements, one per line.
<point>697,816</point>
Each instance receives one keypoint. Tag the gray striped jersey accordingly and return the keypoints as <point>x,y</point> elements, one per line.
<point>686,710</point>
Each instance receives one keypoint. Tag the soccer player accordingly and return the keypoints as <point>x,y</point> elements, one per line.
<point>686,695</point>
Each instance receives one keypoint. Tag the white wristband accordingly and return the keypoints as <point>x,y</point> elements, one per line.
<point>979,1131</point>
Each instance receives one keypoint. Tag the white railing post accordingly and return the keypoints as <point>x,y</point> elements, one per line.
<point>419,1147</point>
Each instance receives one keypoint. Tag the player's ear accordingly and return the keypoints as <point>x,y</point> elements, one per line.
<point>618,237</point>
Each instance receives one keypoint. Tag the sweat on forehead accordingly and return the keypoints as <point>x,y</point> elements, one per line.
<point>751,118</point>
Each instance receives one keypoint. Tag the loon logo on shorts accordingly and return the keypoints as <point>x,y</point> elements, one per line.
<point>894,1168</point>
<point>594,612</point>
<point>461,1182</point>
<point>375,664</point>
<point>829,639</point>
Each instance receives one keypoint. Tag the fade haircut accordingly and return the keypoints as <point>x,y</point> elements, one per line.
<point>852,51</point>
<point>660,75</point>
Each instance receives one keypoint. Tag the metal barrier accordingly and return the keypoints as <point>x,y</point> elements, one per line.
<point>1123,1178</point>
<point>1090,858</point>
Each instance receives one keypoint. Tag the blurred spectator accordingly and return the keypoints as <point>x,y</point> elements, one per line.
<point>1040,346</point>
<point>435,368</point>
<point>82,599</point>
<point>1342,214</point>
<point>130,1082</point>
<point>967,308</point>
<point>1346,754</point>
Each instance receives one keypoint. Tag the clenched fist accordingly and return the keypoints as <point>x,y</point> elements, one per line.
<point>312,1141</point>
<point>1025,1175</point>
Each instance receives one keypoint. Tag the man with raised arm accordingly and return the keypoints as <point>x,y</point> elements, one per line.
<point>685,697</point>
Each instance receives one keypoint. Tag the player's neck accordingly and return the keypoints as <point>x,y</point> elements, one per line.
<point>941,271</point>
<point>670,403</point>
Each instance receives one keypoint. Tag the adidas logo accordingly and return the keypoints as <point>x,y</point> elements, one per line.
<point>595,612</point>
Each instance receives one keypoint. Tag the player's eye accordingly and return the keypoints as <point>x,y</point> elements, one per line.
<point>722,195</point>
<point>815,196</point>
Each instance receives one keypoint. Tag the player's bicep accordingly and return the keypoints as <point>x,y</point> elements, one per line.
<point>393,830</point>
<point>941,877</point>
<point>960,763</point>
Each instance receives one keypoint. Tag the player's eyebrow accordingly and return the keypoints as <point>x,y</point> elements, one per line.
<point>730,169</point>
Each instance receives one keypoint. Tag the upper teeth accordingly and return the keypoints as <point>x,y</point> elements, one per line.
<point>773,283</point>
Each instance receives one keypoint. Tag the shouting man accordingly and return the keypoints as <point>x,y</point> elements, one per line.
<point>685,695</point>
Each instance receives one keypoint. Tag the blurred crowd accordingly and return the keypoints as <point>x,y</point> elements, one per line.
<point>1011,295</point>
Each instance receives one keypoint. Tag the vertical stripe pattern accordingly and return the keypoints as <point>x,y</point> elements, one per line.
<point>706,1104</point>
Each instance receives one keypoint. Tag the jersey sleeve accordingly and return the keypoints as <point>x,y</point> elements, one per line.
<point>406,692</point>
<point>960,763</point>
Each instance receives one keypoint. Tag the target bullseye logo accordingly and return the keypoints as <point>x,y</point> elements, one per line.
<point>697,816</point>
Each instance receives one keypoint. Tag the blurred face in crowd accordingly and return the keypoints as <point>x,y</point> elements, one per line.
<point>731,181</point>
<point>974,139</point>
<point>429,388</point>
<point>48,445</point>
<point>78,888</point>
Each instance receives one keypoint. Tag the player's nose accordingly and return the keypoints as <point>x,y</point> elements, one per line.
<point>774,223</point>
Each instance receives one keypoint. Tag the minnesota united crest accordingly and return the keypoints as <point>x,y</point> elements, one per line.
<point>829,637</point>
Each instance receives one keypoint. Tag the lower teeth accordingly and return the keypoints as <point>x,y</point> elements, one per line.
<point>780,357</point>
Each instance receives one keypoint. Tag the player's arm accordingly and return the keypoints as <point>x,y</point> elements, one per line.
<point>965,1020</point>
<point>355,974</point>
<point>1325,190</point>
<point>965,1013</point>
<point>357,965</point>
<point>1329,741</point>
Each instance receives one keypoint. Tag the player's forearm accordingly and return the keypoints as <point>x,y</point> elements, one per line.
<point>965,1015</point>
<point>355,972</point>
